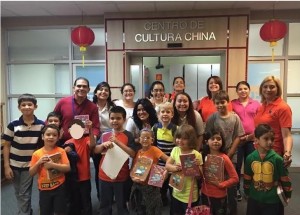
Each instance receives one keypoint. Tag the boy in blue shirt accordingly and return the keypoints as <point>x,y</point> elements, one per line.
<point>21,139</point>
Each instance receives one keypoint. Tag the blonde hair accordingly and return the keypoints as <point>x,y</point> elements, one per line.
<point>165,105</point>
<point>277,83</point>
<point>188,132</point>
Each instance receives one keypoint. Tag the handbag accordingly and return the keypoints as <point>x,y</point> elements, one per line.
<point>197,210</point>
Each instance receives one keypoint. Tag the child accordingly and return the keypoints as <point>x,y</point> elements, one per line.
<point>55,119</point>
<point>264,171</point>
<point>21,139</point>
<point>115,187</point>
<point>186,141</point>
<point>214,192</point>
<point>230,125</point>
<point>164,139</point>
<point>81,202</point>
<point>52,192</point>
<point>150,202</point>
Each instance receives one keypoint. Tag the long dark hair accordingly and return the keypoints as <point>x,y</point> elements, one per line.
<point>218,80</point>
<point>190,114</point>
<point>95,99</point>
<point>147,105</point>
<point>209,134</point>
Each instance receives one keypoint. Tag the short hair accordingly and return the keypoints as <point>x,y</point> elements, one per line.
<point>78,122</point>
<point>54,114</point>
<point>152,86</point>
<point>277,83</point>
<point>147,130</point>
<point>118,109</point>
<point>242,83</point>
<point>221,95</point>
<point>165,105</point>
<point>147,105</point>
<point>50,126</point>
<point>27,97</point>
<point>209,134</point>
<point>178,77</point>
<point>82,78</point>
<point>127,84</point>
<point>262,129</point>
<point>218,80</point>
<point>186,131</point>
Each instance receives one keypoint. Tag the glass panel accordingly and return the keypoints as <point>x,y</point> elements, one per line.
<point>48,79</point>
<point>294,104</point>
<point>258,47</point>
<point>257,72</point>
<point>51,44</point>
<point>94,73</point>
<point>294,42</point>
<point>94,52</point>
<point>45,105</point>
<point>135,79</point>
<point>293,72</point>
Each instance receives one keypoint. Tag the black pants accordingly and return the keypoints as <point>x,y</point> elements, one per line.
<point>218,206</point>
<point>256,208</point>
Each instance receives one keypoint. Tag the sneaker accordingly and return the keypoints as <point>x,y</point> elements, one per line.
<point>239,196</point>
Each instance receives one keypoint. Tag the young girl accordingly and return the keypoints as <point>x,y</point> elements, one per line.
<point>185,139</point>
<point>149,201</point>
<point>50,162</point>
<point>214,192</point>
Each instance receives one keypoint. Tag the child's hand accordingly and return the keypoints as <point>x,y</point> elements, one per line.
<point>177,167</point>
<point>216,183</point>
<point>136,179</point>
<point>108,144</point>
<point>88,124</point>
<point>68,149</point>
<point>43,160</point>
<point>165,174</point>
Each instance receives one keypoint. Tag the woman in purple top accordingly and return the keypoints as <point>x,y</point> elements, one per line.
<point>246,108</point>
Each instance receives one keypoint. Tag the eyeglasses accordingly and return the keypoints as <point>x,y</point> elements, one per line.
<point>158,90</point>
<point>128,91</point>
<point>217,138</point>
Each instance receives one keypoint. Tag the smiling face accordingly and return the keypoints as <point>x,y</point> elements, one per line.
<point>128,93</point>
<point>165,115</point>
<point>50,137</point>
<point>213,86</point>
<point>215,143</point>
<point>182,103</point>
<point>142,113</point>
<point>54,120</point>
<point>178,85</point>
<point>102,93</point>
<point>146,139</point>
<point>269,90</point>
<point>81,89</point>
<point>116,121</point>
<point>243,91</point>
<point>27,108</point>
<point>222,106</point>
<point>182,143</point>
<point>158,92</point>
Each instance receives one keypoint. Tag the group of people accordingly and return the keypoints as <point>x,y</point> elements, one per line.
<point>161,127</point>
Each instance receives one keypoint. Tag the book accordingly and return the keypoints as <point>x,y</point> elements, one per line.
<point>214,168</point>
<point>83,118</point>
<point>188,165</point>
<point>282,196</point>
<point>141,168</point>
<point>157,177</point>
<point>54,173</point>
<point>177,180</point>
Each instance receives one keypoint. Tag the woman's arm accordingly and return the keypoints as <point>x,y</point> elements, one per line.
<point>288,145</point>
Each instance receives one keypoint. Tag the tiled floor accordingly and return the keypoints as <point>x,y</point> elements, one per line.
<point>8,201</point>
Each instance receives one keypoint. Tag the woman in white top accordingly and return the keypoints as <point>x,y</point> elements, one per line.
<point>157,94</point>
<point>127,101</point>
<point>102,98</point>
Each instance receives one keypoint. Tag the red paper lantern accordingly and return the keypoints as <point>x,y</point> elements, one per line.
<point>273,31</point>
<point>82,36</point>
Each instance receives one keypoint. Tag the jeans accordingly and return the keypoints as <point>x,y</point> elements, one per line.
<point>22,182</point>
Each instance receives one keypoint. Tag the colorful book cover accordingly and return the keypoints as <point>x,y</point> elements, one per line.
<point>105,137</point>
<point>54,173</point>
<point>188,165</point>
<point>83,118</point>
<point>214,168</point>
<point>177,180</point>
<point>141,168</point>
<point>157,177</point>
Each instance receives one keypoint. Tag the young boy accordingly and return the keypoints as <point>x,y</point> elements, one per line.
<point>149,202</point>
<point>50,162</point>
<point>230,125</point>
<point>81,202</point>
<point>21,139</point>
<point>264,171</point>
<point>55,119</point>
<point>115,187</point>
<point>164,132</point>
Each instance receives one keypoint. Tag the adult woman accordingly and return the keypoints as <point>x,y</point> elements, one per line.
<point>206,106</point>
<point>246,108</point>
<point>184,113</point>
<point>127,102</point>
<point>144,116</point>
<point>178,87</point>
<point>157,93</point>
<point>276,113</point>
<point>102,98</point>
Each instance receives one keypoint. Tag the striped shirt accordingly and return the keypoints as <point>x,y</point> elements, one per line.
<point>24,141</point>
<point>164,139</point>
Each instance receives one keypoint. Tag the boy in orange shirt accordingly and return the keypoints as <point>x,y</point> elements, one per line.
<point>50,162</point>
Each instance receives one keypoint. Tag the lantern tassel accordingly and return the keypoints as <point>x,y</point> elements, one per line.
<point>272,54</point>
<point>82,60</point>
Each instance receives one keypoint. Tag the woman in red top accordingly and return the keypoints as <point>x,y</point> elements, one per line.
<point>276,113</point>
<point>178,87</point>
